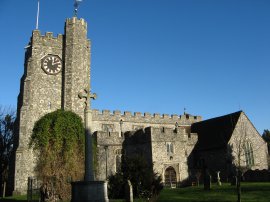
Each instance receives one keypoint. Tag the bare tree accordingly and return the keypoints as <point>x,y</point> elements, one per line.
<point>242,148</point>
<point>7,118</point>
<point>266,137</point>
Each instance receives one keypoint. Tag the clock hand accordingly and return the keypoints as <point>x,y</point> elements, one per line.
<point>54,63</point>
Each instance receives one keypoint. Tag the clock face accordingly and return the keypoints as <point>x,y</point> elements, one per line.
<point>51,64</point>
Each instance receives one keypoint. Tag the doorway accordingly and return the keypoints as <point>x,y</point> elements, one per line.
<point>170,177</point>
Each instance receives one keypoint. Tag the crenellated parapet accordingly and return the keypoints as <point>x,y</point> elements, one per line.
<point>148,134</point>
<point>160,135</point>
<point>108,138</point>
<point>137,117</point>
<point>74,20</point>
<point>168,134</point>
<point>46,40</point>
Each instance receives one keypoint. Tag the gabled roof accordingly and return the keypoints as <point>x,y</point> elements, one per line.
<point>215,133</point>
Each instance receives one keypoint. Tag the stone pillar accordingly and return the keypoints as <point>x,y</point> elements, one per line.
<point>89,171</point>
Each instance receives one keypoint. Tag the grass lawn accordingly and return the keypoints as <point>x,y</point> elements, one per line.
<point>251,192</point>
<point>15,198</point>
<point>22,198</point>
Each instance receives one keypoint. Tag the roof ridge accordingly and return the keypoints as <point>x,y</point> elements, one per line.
<point>221,117</point>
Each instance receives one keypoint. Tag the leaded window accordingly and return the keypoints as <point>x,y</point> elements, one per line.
<point>249,155</point>
<point>118,159</point>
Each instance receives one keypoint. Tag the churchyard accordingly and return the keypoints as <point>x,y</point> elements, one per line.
<point>251,192</point>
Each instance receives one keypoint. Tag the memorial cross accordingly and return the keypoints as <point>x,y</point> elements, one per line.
<point>89,173</point>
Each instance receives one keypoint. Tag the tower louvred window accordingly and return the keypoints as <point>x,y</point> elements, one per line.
<point>170,148</point>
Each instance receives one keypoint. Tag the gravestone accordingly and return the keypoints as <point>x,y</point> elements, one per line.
<point>128,192</point>
<point>234,180</point>
<point>207,181</point>
<point>218,179</point>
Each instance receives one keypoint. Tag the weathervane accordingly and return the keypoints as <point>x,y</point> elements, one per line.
<point>76,6</point>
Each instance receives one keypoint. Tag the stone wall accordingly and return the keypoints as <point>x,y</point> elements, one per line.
<point>130,133</point>
<point>138,143</point>
<point>109,145</point>
<point>151,142</point>
<point>183,144</point>
<point>243,134</point>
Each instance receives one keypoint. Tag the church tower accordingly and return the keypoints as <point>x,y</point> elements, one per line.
<point>56,69</point>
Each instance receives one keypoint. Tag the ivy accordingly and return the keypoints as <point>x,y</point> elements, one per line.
<point>59,137</point>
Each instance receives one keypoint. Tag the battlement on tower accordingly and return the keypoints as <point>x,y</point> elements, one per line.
<point>74,20</point>
<point>156,134</point>
<point>108,138</point>
<point>46,40</point>
<point>169,134</point>
<point>144,117</point>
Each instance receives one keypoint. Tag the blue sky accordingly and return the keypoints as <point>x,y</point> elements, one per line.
<point>159,56</point>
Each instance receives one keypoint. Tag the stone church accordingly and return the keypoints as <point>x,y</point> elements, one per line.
<point>57,69</point>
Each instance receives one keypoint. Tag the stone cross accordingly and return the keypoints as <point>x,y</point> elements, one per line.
<point>87,96</point>
<point>89,172</point>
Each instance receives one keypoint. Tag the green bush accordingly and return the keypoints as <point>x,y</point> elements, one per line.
<point>59,137</point>
<point>145,182</point>
<point>116,188</point>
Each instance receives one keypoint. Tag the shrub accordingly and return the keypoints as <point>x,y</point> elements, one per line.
<point>58,140</point>
<point>145,182</point>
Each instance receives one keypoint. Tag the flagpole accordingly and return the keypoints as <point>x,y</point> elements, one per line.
<point>37,15</point>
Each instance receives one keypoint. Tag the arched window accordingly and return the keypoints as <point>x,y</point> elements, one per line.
<point>118,163</point>
<point>249,155</point>
<point>118,159</point>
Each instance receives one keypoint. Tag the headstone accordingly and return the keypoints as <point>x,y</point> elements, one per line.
<point>234,180</point>
<point>207,181</point>
<point>129,192</point>
<point>218,179</point>
<point>198,175</point>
